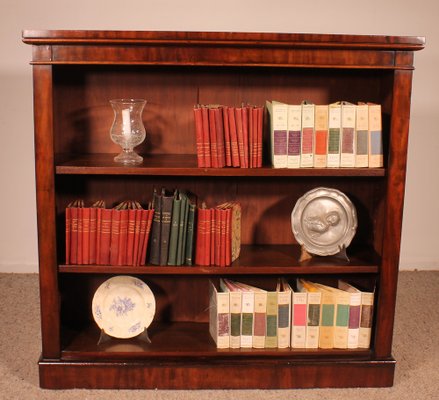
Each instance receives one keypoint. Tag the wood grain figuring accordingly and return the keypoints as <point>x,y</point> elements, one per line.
<point>76,73</point>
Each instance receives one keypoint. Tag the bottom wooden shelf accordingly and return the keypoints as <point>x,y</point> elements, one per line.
<point>182,356</point>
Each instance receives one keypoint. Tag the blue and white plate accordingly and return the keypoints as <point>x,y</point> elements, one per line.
<point>123,306</point>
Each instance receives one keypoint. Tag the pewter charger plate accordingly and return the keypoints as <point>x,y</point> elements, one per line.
<point>324,221</point>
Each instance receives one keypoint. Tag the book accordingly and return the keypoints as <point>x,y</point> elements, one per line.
<point>190,234</point>
<point>314,299</point>
<point>175,225</point>
<point>234,149</point>
<point>199,137</point>
<point>299,311</point>
<point>85,218</point>
<point>202,236</point>
<point>227,137</point>
<point>99,206</point>
<point>71,220</point>
<point>366,319</point>
<point>145,229</point>
<point>294,125</point>
<point>354,313</point>
<point>245,135</point>
<point>341,317</point>
<point>154,254</point>
<point>235,298</point>
<point>165,221</point>
<point>376,159</point>
<point>115,233</point>
<point>362,135</point>
<point>284,314</point>
<point>240,135</point>
<point>321,136</point>
<point>206,137</point>
<point>278,113</point>
<point>260,119</point>
<point>334,127</point>
<point>271,331</point>
<point>105,235</point>
<point>217,113</point>
<point>347,140</point>
<point>123,234</point>
<point>219,316</point>
<point>182,232</point>
<point>307,135</point>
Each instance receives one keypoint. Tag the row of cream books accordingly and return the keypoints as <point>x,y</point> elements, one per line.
<point>304,315</point>
<point>338,135</point>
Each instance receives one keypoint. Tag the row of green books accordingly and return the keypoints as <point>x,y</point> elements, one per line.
<point>303,314</point>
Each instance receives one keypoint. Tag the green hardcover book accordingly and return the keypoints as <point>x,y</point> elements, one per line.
<point>165,230</point>
<point>184,209</point>
<point>175,225</point>
<point>189,251</point>
<point>154,253</point>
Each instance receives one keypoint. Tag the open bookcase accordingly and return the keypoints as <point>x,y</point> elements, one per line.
<point>76,73</point>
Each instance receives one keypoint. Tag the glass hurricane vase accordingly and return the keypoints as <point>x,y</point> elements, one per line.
<point>128,130</point>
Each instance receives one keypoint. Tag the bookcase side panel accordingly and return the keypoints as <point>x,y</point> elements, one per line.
<point>44,170</point>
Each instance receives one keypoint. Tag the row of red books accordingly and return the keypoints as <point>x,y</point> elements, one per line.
<point>97,235</point>
<point>229,136</point>
<point>218,234</point>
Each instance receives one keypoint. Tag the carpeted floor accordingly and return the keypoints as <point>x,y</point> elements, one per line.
<point>416,349</point>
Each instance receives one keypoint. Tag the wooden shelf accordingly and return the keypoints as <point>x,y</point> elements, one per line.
<point>182,340</point>
<point>186,165</point>
<point>254,260</point>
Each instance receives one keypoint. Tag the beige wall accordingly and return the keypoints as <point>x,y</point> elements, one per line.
<point>18,241</point>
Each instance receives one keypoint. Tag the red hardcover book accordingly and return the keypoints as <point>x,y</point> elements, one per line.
<point>259,136</point>
<point>245,127</point>
<point>149,216</point>
<point>115,235</point>
<point>198,118</point>
<point>217,258</point>
<point>212,236</point>
<point>208,244</point>
<point>223,218</point>
<point>142,233</point>
<point>93,233</point>
<point>99,230</point>
<point>255,116</point>
<point>240,134</point>
<point>137,236</point>
<point>219,129</point>
<point>227,141</point>
<point>68,232</point>
<point>104,258</point>
<point>80,237</point>
<point>233,137</point>
<point>86,235</point>
<point>206,137</point>
<point>213,139</point>
<point>130,236</point>
<point>123,238</point>
<point>251,136</point>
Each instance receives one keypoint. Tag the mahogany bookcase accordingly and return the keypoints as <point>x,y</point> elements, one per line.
<point>76,73</point>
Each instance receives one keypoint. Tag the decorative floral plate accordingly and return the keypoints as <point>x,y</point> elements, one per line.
<point>324,221</point>
<point>123,306</point>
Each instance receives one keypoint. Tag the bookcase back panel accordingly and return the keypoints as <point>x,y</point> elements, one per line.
<point>266,203</point>
<point>84,116</point>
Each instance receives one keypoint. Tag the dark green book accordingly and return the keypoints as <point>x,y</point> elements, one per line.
<point>190,234</point>
<point>154,251</point>
<point>181,247</point>
<point>175,226</point>
<point>165,230</point>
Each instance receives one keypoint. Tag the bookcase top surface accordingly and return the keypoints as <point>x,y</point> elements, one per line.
<point>262,39</point>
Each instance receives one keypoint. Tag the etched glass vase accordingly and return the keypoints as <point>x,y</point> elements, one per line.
<point>128,130</point>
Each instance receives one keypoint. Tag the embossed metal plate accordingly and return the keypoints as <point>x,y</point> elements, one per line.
<point>324,221</point>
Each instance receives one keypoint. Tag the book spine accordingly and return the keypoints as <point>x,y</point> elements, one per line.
<point>123,238</point>
<point>115,235</point>
<point>175,226</point>
<point>298,331</point>
<point>154,255</point>
<point>326,336</point>
<point>245,135</point>
<point>376,159</point>
<point>98,234</point>
<point>247,319</point>
<point>367,301</point>
<point>86,235</point>
<point>294,135</point>
<point>260,320</point>
<point>233,137</point>
<point>308,137</point>
<point>105,237</point>
<point>181,245</point>
<point>219,317</point>
<point>206,137</point>
<point>137,243</point>
<point>220,139</point>
<point>321,135</point>
<point>80,236</point>
<point>142,233</point>
<point>149,216</point>
<point>341,327</point>
<point>93,234</point>
<point>165,229</point>
<point>347,156</point>
<point>130,237</point>
<point>213,139</point>
<point>354,320</point>
<point>240,134</point>
<point>235,319</point>
<point>189,251</point>
<point>227,140</point>
<point>68,233</point>
<point>334,125</point>
<point>313,320</point>
<point>198,118</point>
<point>200,243</point>
<point>207,238</point>
<point>284,319</point>
<point>362,132</point>
<point>279,126</point>
<point>217,237</point>
<point>271,321</point>
<point>259,136</point>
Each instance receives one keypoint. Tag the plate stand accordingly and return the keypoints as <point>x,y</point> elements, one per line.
<point>305,255</point>
<point>105,337</point>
